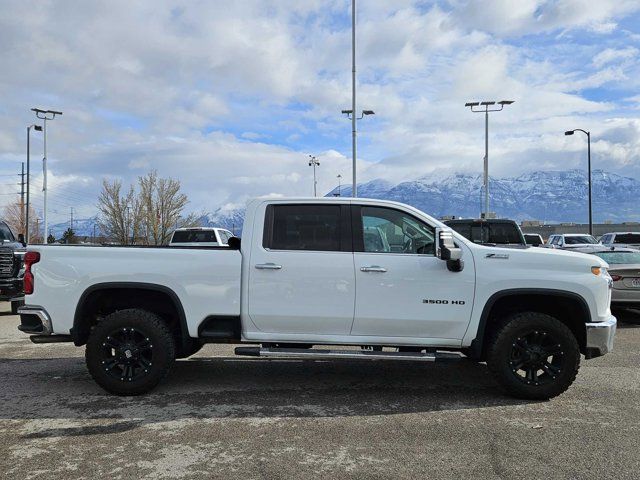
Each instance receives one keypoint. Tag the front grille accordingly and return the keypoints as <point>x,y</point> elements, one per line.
<point>6,263</point>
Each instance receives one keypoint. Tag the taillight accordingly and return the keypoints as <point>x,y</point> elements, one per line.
<point>615,278</point>
<point>29,259</point>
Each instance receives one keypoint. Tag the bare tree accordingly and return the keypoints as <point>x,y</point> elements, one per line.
<point>117,211</point>
<point>148,215</point>
<point>15,216</point>
<point>161,204</point>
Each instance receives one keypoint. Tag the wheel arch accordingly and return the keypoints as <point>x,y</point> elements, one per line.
<point>113,296</point>
<point>568,307</point>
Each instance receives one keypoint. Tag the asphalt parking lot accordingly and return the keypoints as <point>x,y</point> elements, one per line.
<point>218,416</point>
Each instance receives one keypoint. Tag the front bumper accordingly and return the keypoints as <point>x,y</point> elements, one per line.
<point>600,337</point>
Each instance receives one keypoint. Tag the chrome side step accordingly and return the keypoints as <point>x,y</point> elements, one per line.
<point>322,354</point>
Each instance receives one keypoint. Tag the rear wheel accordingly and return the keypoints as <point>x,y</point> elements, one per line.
<point>534,356</point>
<point>130,352</point>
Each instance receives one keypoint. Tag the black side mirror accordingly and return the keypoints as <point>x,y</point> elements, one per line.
<point>447,250</point>
<point>234,243</point>
<point>21,239</point>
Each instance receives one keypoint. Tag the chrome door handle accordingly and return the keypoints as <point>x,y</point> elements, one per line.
<point>268,266</point>
<point>373,268</point>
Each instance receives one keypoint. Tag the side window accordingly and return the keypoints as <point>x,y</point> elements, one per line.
<point>605,239</point>
<point>303,227</point>
<point>556,240</point>
<point>385,230</point>
<point>224,236</point>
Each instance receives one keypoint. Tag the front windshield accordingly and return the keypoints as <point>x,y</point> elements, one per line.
<point>5,233</point>
<point>619,258</point>
<point>579,239</point>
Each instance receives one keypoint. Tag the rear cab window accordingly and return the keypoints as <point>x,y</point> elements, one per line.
<point>194,236</point>
<point>627,238</point>
<point>310,227</point>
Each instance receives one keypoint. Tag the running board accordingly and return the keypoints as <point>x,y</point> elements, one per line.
<point>318,354</point>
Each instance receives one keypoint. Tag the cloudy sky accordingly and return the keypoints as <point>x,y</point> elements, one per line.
<point>231,97</point>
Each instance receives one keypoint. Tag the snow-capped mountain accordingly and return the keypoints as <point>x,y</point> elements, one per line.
<point>555,196</point>
<point>82,227</point>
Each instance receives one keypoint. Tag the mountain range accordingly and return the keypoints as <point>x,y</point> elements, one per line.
<point>548,196</point>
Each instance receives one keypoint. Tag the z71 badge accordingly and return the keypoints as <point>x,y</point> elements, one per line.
<point>443,302</point>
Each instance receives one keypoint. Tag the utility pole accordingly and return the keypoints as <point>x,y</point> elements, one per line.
<point>45,115</point>
<point>354,188</point>
<point>71,221</point>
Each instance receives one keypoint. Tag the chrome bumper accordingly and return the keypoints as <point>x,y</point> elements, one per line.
<point>600,337</point>
<point>43,327</point>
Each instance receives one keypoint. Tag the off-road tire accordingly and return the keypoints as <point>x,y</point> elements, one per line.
<point>140,325</point>
<point>503,342</point>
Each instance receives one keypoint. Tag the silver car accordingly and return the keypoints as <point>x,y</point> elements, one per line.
<point>577,242</point>
<point>624,268</point>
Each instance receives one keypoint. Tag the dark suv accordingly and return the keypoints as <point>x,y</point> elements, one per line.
<point>505,233</point>
<point>11,267</point>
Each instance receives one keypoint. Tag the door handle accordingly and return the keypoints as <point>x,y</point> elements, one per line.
<point>373,268</point>
<point>268,266</point>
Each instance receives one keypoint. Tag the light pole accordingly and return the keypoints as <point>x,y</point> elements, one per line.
<point>588,134</point>
<point>353,118</point>
<point>45,115</point>
<point>484,107</point>
<point>339,177</point>
<point>315,163</point>
<point>37,128</point>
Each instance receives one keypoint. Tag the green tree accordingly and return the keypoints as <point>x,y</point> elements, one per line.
<point>51,239</point>
<point>69,236</point>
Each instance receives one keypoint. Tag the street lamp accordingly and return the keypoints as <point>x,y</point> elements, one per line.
<point>315,163</point>
<point>484,107</point>
<point>588,134</point>
<point>339,177</point>
<point>353,118</point>
<point>37,128</point>
<point>45,115</point>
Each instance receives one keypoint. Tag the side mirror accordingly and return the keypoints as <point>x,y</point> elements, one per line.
<point>234,243</point>
<point>447,250</point>
<point>21,239</point>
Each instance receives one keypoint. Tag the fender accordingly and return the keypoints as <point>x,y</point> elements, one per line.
<point>477,342</point>
<point>77,318</point>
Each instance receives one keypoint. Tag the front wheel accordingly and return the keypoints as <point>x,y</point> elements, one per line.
<point>130,352</point>
<point>534,356</point>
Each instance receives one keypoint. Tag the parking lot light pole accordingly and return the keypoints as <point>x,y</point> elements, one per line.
<point>315,163</point>
<point>353,118</point>
<point>45,115</point>
<point>37,128</point>
<point>588,134</point>
<point>484,107</point>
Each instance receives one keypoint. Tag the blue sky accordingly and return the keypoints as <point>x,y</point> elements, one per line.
<point>231,97</point>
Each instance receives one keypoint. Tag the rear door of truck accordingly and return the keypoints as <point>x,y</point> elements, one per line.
<point>301,275</point>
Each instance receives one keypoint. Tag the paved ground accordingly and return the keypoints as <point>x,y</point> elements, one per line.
<point>222,417</point>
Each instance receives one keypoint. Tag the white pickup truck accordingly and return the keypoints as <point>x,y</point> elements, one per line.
<point>379,279</point>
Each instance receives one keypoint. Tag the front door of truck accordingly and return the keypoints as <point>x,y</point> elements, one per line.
<point>301,277</point>
<point>402,288</point>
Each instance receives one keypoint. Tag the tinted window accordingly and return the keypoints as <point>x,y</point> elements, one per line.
<point>5,233</point>
<point>386,230</point>
<point>493,232</point>
<point>533,240</point>
<point>305,227</point>
<point>627,238</point>
<point>579,239</point>
<point>194,236</point>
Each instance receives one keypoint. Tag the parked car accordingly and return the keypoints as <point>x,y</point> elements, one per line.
<point>303,275</point>
<point>11,267</point>
<point>621,239</point>
<point>577,242</point>
<point>200,237</point>
<point>501,232</point>
<point>624,268</point>
<point>533,239</point>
